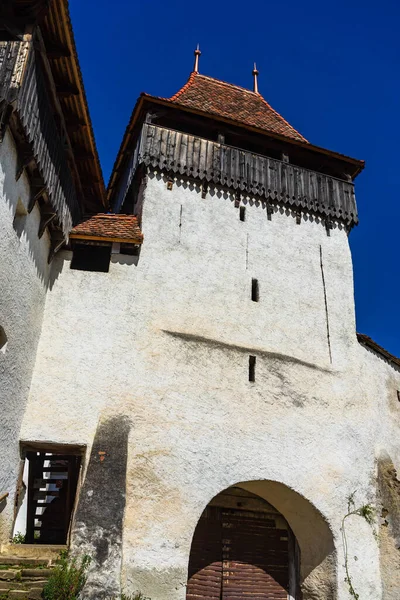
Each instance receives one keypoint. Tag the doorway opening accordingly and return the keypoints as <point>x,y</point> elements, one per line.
<point>46,496</point>
<point>243,548</point>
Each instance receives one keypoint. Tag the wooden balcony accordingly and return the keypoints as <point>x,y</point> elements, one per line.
<point>24,91</point>
<point>273,181</point>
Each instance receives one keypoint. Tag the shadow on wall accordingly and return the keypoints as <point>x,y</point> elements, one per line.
<point>97,530</point>
<point>389,530</point>
<point>26,225</point>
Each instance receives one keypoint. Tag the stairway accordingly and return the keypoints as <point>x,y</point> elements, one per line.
<point>24,570</point>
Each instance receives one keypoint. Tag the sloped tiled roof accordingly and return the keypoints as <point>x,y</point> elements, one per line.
<point>109,227</point>
<point>365,340</point>
<point>229,101</point>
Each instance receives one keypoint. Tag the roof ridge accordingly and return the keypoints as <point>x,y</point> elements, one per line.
<point>234,85</point>
<point>283,118</point>
<point>186,86</point>
<point>194,75</point>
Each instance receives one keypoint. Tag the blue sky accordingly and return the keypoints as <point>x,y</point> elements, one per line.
<point>330,68</point>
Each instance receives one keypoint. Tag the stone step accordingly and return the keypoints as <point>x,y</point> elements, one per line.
<point>9,574</point>
<point>35,551</point>
<point>23,562</point>
<point>41,573</point>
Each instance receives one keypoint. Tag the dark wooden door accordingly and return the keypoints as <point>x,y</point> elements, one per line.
<point>255,557</point>
<point>238,554</point>
<point>205,564</point>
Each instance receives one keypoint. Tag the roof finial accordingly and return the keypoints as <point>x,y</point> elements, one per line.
<point>196,59</point>
<point>255,76</point>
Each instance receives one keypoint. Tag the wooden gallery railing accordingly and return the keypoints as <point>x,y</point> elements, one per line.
<point>23,89</point>
<point>277,182</point>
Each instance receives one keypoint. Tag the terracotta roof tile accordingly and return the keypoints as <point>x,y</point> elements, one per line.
<point>111,227</point>
<point>230,101</point>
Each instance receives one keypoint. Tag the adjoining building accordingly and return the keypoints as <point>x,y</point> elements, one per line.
<point>184,394</point>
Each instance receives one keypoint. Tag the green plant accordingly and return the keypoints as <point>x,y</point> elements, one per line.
<point>67,579</point>
<point>19,538</point>
<point>367,512</point>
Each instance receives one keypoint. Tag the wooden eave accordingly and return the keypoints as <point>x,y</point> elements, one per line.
<point>355,166</point>
<point>368,342</point>
<point>56,29</point>
<point>99,238</point>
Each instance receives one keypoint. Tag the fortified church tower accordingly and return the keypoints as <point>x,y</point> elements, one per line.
<point>198,374</point>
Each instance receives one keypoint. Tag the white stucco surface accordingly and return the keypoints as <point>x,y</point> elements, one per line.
<point>167,343</point>
<point>23,281</point>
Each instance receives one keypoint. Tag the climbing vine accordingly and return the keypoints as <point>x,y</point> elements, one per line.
<point>367,512</point>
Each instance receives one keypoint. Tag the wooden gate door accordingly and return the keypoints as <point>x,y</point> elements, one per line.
<point>237,555</point>
<point>255,557</point>
<point>205,564</point>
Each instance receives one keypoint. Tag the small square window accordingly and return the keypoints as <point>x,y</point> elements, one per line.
<point>91,258</point>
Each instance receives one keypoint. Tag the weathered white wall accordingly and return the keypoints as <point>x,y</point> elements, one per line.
<point>167,342</point>
<point>23,281</point>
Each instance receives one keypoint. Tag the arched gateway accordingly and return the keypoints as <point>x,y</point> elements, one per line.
<point>242,548</point>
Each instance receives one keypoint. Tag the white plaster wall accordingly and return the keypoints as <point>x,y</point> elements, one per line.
<point>167,343</point>
<point>23,281</point>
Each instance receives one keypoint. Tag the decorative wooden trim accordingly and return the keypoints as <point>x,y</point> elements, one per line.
<point>300,190</point>
<point>354,166</point>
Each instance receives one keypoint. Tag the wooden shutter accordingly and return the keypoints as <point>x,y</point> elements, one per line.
<point>255,557</point>
<point>205,563</point>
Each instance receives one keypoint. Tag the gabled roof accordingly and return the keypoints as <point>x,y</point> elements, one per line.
<point>229,101</point>
<point>109,227</point>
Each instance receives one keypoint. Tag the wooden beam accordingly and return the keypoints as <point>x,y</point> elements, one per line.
<point>54,50</point>
<point>23,162</point>
<point>73,122</point>
<point>97,238</point>
<point>55,246</point>
<point>66,89</point>
<point>82,154</point>
<point>45,220</point>
<point>36,194</point>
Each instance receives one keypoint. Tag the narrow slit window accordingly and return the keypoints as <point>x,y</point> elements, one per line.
<point>242,213</point>
<point>252,368</point>
<point>255,291</point>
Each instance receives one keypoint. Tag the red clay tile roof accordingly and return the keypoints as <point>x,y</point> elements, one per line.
<point>230,101</point>
<point>109,227</point>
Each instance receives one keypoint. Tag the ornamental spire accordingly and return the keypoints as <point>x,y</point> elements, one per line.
<point>196,59</point>
<point>255,79</point>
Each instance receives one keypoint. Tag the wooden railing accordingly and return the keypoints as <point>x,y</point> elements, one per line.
<point>31,100</point>
<point>274,181</point>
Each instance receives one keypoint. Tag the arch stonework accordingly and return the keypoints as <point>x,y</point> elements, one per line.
<point>313,566</point>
